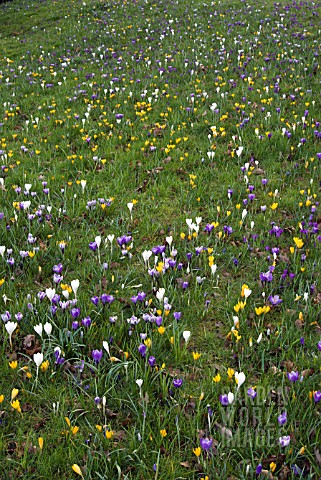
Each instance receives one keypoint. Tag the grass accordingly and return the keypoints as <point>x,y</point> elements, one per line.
<point>149,146</point>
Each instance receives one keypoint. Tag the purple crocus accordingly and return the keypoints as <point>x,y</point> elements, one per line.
<point>251,393</point>
<point>141,296</point>
<point>75,312</point>
<point>106,299</point>
<point>93,246</point>
<point>293,376</point>
<point>97,355</point>
<point>284,441</point>
<point>95,300</point>
<point>177,382</point>
<point>282,419</point>
<point>266,277</point>
<point>275,300</point>
<point>152,361</point>
<point>57,269</point>
<point>224,400</point>
<point>6,316</point>
<point>142,350</point>
<point>317,396</point>
<point>59,360</point>
<point>86,322</point>
<point>124,239</point>
<point>206,443</point>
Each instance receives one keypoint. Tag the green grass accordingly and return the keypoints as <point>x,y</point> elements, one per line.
<point>193,83</point>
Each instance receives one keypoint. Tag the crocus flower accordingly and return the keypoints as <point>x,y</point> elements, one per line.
<point>59,360</point>
<point>317,396</point>
<point>284,441</point>
<point>152,361</point>
<point>142,349</point>
<point>50,292</point>
<point>57,269</point>
<point>38,329</point>
<point>186,335</point>
<point>75,285</point>
<point>38,359</point>
<point>75,312</point>
<point>177,382</point>
<point>206,443</point>
<point>106,299</point>
<point>251,393</point>
<point>224,400</point>
<point>239,378</point>
<point>47,328</point>
<point>275,300</point>
<point>282,419</point>
<point>93,246</point>
<point>293,376</point>
<point>10,327</point>
<point>97,355</point>
<point>86,322</point>
<point>95,300</point>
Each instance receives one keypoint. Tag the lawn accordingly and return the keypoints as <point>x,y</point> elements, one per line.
<point>160,240</point>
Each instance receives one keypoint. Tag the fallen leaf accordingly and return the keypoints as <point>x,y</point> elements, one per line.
<point>317,455</point>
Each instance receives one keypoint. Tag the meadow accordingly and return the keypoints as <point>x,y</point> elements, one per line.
<point>160,240</point>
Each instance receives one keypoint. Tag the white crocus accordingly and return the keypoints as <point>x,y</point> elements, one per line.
<point>10,327</point>
<point>106,347</point>
<point>65,294</point>
<point>139,382</point>
<point>230,398</point>
<point>50,292</point>
<point>186,335</point>
<point>75,285</point>
<point>38,359</point>
<point>98,240</point>
<point>47,328</point>
<point>259,338</point>
<point>235,320</point>
<point>38,329</point>
<point>213,268</point>
<point>2,250</point>
<point>239,151</point>
<point>160,294</point>
<point>83,184</point>
<point>169,240</point>
<point>247,292</point>
<point>146,255</point>
<point>239,378</point>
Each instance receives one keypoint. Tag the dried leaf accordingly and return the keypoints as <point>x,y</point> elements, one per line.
<point>28,341</point>
<point>226,432</point>
<point>317,455</point>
